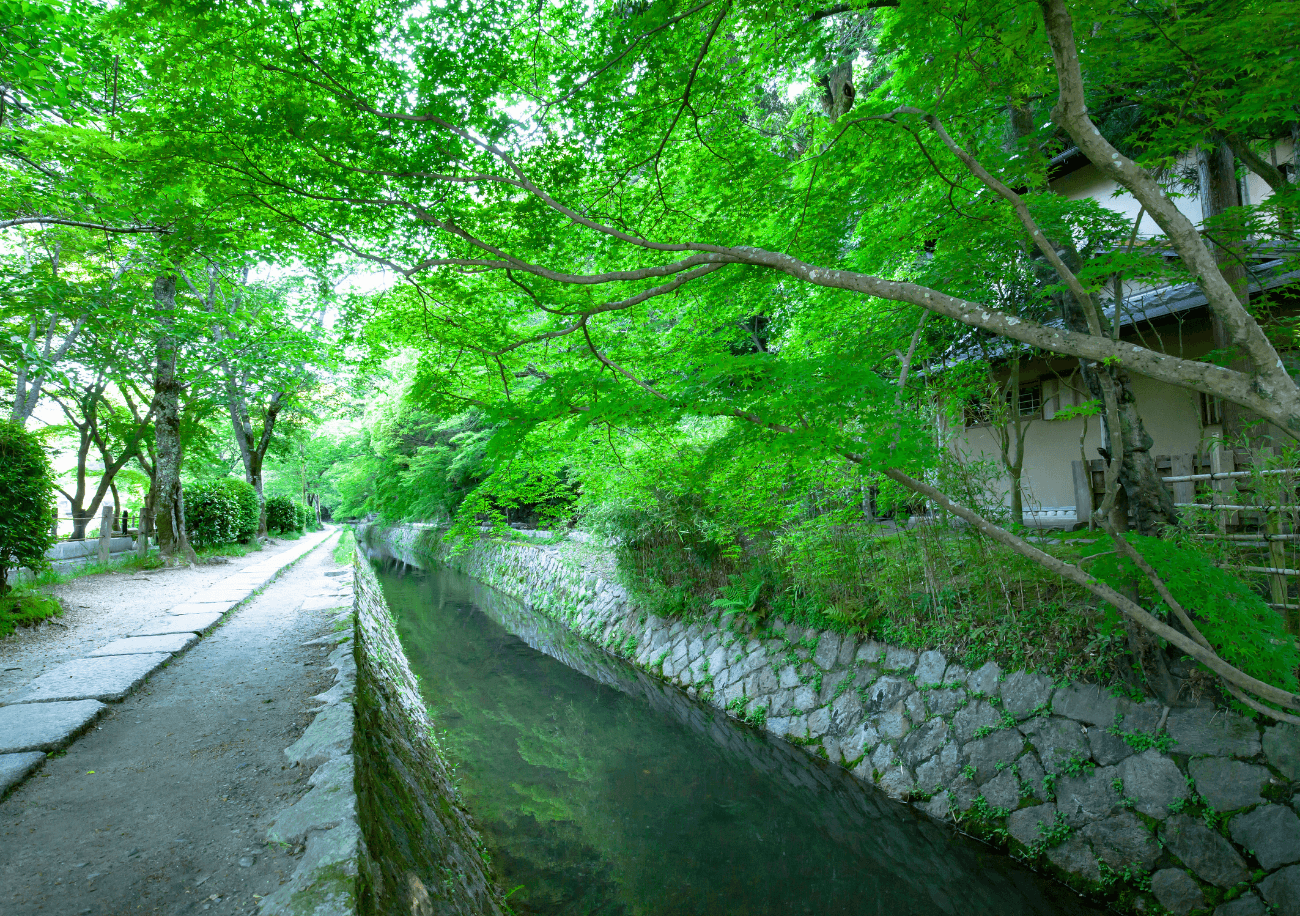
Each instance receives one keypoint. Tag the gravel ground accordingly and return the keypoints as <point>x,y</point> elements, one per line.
<point>101,608</point>
<point>163,806</point>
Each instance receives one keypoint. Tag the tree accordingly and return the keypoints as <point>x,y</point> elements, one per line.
<point>26,502</point>
<point>574,265</point>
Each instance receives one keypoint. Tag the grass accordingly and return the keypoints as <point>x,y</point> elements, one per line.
<point>227,550</point>
<point>926,587</point>
<point>345,548</point>
<point>24,607</point>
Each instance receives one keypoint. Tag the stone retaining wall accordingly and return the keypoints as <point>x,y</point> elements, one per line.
<point>382,826</point>
<point>1155,809</point>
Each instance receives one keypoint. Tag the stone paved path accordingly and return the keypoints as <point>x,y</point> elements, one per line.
<point>162,805</point>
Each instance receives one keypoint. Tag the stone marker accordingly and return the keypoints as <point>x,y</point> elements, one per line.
<point>180,623</point>
<point>109,678</point>
<point>15,767</point>
<point>143,645</point>
<point>44,726</point>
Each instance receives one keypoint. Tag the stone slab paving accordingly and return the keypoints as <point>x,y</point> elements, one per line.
<point>143,645</point>
<point>162,806</point>
<point>14,768</point>
<point>107,679</point>
<point>44,726</point>
<point>198,607</point>
<point>181,623</point>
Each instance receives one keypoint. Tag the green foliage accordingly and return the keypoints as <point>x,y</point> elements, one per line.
<point>23,608</point>
<point>1240,627</point>
<point>26,502</point>
<point>345,548</point>
<point>223,511</point>
<point>281,515</point>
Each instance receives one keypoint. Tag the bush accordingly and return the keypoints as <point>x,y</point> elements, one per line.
<point>221,512</point>
<point>26,502</point>
<point>281,515</point>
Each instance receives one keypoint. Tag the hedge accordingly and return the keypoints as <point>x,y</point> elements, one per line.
<point>221,512</point>
<point>26,501</point>
<point>281,515</point>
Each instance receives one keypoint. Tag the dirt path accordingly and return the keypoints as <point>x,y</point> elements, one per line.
<point>163,806</point>
<point>101,608</point>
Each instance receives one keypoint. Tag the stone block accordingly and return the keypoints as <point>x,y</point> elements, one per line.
<point>985,679</point>
<point>1088,797</point>
<point>180,623</point>
<point>1076,857</point>
<point>328,736</point>
<point>939,807</point>
<point>1249,905</point>
<point>915,706</point>
<point>944,702</point>
<point>1027,825</point>
<point>897,782</point>
<point>863,740</point>
<point>930,668</point>
<point>143,645</point>
<point>193,607</point>
<point>998,750</point>
<point>788,677</point>
<point>1057,741</point>
<point>923,742</point>
<point>1176,891</point>
<point>967,721</point>
<point>883,758</point>
<point>898,659</point>
<point>830,686</point>
<point>1282,889</point>
<point>1227,785</point>
<point>1204,730</point>
<point>1032,773</point>
<point>828,650</point>
<point>939,770</point>
<point>886,692</point>
<point>1107,749</point>
<point>1024,692</point>
<point>14,768</point>
<point>869,653</point>
<point>848,648</point>
<point>44,726</point>
<point>893,723</point>
<point>1122,840</point>
<point>1282,749</point>
<point>325,881</point>
<point>1002,791</point>
<point>1271,832</point>
<point>1085,703</point>
<point>331,801</point>
<point>819,722</point>
<point>1200,849</point>
<point>107,679</point>
<point>846,711</point>
<point>1153,781</point>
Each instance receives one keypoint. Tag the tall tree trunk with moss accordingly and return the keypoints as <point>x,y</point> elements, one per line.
<point>169,501</point>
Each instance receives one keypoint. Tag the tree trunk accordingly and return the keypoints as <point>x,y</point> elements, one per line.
<point>1219,194</point>
<point>169,502</point>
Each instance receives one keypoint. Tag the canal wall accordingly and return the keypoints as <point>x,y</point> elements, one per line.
<point>1156,809</point>
<point>382,827</point>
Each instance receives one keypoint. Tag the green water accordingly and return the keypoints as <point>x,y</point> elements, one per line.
<point>602,791</point>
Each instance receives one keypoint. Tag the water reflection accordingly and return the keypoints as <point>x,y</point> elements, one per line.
<point>603,791</point>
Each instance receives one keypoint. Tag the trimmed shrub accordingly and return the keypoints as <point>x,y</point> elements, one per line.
<point>221,512</point>
<point>281,515</point>
<point>26,502</point>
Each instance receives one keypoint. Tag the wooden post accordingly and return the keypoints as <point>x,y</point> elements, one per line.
<point>105,534</point>
<point>1183,466</point>
<point>1222,461</point>
<point>1082,493</point>
<point>142,538</point>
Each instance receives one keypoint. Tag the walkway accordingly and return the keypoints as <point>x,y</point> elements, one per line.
<point>162,805</point>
